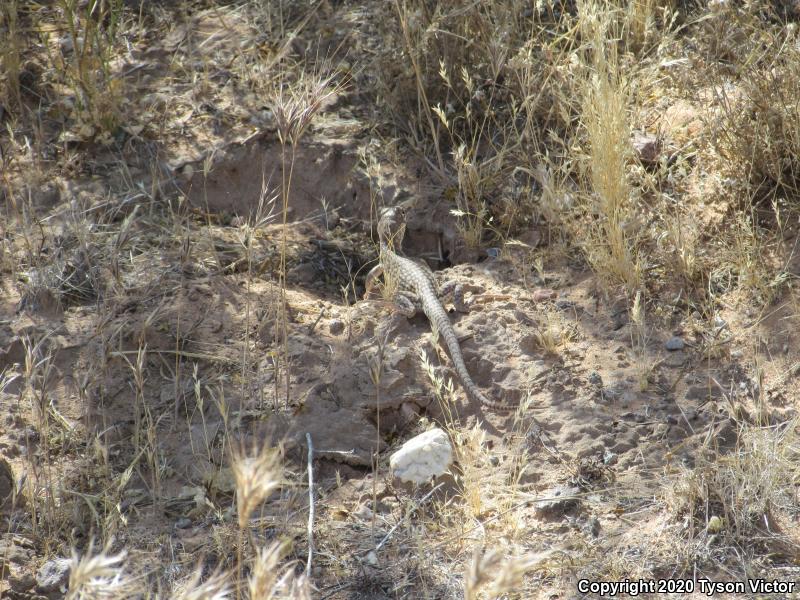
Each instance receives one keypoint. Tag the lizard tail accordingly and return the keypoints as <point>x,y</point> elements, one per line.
<point>466,380</point>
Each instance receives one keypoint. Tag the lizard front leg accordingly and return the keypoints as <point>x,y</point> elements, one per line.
<point>372,276</point>
<point>405,305</point>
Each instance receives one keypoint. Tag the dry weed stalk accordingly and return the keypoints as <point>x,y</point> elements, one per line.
<point>198,587</point>
<point>258,474</point>
<point>100,576</point>
<point>443,389</point>
<point>294,106</point>
<point>639,339</point>
<point>490,572</point>
<point>268,580</point>
<point>44,490</point>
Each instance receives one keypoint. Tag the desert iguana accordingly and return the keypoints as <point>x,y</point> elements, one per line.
<point>416,288</point>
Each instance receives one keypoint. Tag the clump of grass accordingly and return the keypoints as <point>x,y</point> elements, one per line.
<point>99,92</point>
<point>612,248</point>
<point>746,251</point>
<point>774,136</point>
<point>757,129</point>
<point>473,456</point>
<point>10,54</point>
<point>475,109</point>
<point>554,332</point>
<point>742,495</point>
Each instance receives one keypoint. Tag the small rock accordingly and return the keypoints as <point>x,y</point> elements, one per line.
<point>187,173</point>
<point>619,320</point>
<point>715,524</point>
<point>565,305</point>
<point>183,523</point>
<point>543,294</point>
<point>53,575</point>
<point>675,360</point>
<point>423,457</point>
<point>6,483</point>
<point>12,552</point>
<point>529,344</point>
<point>409,411</point>
<point>560,500</point>
<point>613,393</point>
<point>22,581</point>
<point>303,273</point>
<point>335,326</point>
<point>372,558</point>
<point>532,238</point>
<point>674,343</point>
<point>364,512</point>
<point>592,527</point>
<point>647,147</point>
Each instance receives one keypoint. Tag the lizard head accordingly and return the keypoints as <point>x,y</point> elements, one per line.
<point>392,226</point>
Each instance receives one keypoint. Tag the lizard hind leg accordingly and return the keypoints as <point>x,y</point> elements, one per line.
<point>452,291</point>
<point>407,303</point>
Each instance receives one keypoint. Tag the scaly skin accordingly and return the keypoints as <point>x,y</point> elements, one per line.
<point>416,288</point>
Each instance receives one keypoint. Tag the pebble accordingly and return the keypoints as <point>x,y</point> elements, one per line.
<point>674,343</point>
<point>565,305</point>
<point>6,482</point>
<point>592,527</point>
<point>560,499</point>
<point>335,326</point>
<point>647,147</point>
<point>10,552</point>
<point>21,582</point>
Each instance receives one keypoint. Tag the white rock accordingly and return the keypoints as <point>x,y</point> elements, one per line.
<point>427,455</point>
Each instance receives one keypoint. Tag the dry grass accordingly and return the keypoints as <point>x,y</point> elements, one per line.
<point>740,499</point>
<point>521,118</point>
